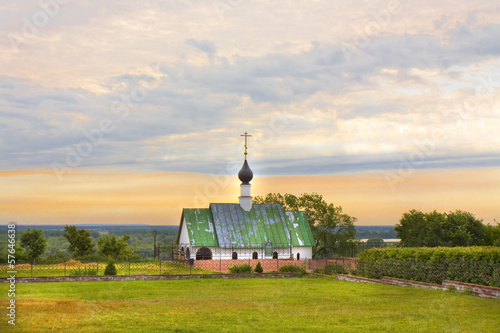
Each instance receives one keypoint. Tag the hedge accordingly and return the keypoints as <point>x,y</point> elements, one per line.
<point>490,254</point>
<point>479,265</point>
<point>243,268</point>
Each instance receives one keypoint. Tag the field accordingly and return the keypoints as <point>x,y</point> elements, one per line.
<point>245,305</point>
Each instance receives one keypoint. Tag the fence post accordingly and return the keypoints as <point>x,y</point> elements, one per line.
<point>128,267</point>
<point>32,269</point>
<point>98,268</point>
<point>160,267</point>
<point>64,268</point>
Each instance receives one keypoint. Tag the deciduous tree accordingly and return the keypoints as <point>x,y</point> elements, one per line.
<point>332,229</point>
<point>34,244</point>
<point>432,229</point>
<point>80,241</point>
<point>114,247</point>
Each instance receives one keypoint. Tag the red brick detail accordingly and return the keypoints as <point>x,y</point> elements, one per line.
<point>272,265</point>
<point>352,278</point>
<point>268,265</point>
<point>476,289</point>
<point>405,283</point>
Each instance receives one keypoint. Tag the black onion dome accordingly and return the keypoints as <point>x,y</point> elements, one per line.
<point>245,174</point>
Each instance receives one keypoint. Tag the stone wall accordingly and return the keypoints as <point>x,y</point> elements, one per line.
<point>144,277</point>
<point>475,289</point>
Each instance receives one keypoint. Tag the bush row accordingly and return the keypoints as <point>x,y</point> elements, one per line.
<point>331,269</point>
<point>479,265</point>
<point>245,268</point>
<point>490,254</point>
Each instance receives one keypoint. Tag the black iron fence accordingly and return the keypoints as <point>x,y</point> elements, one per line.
<point>77,268</point>
<point>351,249</point>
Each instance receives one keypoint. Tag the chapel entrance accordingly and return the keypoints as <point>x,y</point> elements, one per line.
<point>204,253</point>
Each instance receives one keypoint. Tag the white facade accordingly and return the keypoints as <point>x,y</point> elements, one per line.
<point>218,253</point>
<point>246,197</point>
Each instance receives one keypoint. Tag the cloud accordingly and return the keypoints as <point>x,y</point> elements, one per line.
<point>179,85</point>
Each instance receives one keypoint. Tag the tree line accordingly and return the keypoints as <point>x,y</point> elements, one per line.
<point>81,245</point>
<point>333,230</point>
<point>458,228</point>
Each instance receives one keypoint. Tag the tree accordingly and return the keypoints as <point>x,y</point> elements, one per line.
<point>80,241</point>
<point>34,244</point>
<point>432,229</point>
<point>332,229</point>
<point>493,234</point>
<point>110,268</point>
<point>111,246</point>
<point>375,242</point>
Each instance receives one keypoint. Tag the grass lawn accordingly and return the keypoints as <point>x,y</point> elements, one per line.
<point>244,305</point>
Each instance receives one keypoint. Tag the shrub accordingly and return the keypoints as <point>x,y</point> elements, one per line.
<point>243,268</point>
<point>258,268</point>
<point>331,269</point>
<point>292,269</point>
<point>110,268</point>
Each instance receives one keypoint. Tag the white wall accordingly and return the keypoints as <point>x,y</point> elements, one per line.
<point>184,238</point>
<point>226,254</point>
<point>305,252</point>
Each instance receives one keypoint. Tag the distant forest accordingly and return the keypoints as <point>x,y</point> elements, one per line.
<point>141,236</point>
<point>373,231</point>
<point>168,233</point>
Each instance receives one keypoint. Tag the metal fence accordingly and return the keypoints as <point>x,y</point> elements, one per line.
<point>76,268</point>
<point>350,249</point>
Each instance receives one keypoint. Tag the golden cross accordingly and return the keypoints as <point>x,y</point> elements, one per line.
<point>245,135</point>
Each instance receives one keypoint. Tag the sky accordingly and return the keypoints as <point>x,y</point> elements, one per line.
<point>127,111</point>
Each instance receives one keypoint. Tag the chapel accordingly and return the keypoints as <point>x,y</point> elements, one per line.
<point>244,230</point>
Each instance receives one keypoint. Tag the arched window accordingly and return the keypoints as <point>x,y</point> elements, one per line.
<point>255,255</point>
<point>298,256</point>
<point>204,253</point>
<point>188,253</point>
<point>275,255</point>
<point>182,249</point>
<point>235,255</point>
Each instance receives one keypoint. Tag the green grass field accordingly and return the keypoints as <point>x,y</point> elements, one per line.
<point>244,305</point>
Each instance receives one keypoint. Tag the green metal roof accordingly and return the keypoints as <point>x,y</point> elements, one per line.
<point>301,230</point>
<point>228,225</point>
<point>200,227</point>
